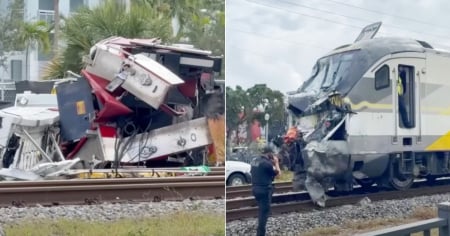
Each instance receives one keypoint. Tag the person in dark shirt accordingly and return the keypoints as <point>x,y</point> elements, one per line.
<point>264,169</point>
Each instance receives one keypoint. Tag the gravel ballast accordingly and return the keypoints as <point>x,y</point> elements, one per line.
<point>296,223</point>
<point>110,212</point>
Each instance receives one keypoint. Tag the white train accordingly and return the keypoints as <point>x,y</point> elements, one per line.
<point>375,111</point>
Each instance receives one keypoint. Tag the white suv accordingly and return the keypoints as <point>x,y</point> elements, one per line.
<point>237,173</point>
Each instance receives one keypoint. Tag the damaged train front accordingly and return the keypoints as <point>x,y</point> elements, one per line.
<point>321,114</point>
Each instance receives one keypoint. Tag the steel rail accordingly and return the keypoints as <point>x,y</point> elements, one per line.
<point>276,198</point>
<point>234,212</point>
<point>98,193</point>
<point>247,192</point>
<point>126,168</point>
<point>112,181</point>
<point>216,172</point>
<point>248,187</point>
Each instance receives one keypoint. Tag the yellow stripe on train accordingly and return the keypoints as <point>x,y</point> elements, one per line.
<point>441,144</point>
<point>386,106</point>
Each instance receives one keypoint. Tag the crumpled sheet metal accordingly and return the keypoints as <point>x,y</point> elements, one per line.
<point>40,171</point>
<point>324,161</point>
<point>18,174</point>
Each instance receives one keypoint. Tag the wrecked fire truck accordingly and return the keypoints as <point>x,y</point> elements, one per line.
<point>136,101</point>
<point>374,111</point>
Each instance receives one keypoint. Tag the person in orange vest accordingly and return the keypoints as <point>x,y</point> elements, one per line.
<point>291,135</point>
<point>293,145</point>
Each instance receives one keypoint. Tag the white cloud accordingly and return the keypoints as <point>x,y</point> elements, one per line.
<point>280,47</point>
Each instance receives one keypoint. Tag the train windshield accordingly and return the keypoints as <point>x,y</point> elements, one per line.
<point>328,72</point>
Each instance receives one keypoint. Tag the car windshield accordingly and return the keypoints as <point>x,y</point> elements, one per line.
<point>328,72</point>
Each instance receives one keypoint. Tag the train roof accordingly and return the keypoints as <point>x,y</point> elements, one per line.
<point>367,52</point>
<point>379,47</point>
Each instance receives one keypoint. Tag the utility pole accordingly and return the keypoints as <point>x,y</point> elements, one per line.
<point>267,117</point>
<point>56,26</point>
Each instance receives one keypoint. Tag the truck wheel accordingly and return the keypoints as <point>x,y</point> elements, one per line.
<point>236,179</point>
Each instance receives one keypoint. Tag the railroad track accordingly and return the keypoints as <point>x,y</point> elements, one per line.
<point>92,191</point>
<point>246,190</point>
<point>301,202</point>
<point>213,170</point>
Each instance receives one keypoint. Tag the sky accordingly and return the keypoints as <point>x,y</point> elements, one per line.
<point>277,42</point>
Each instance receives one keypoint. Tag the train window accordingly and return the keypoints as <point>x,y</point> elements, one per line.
<point>405,90</point>
<point>382,78</point>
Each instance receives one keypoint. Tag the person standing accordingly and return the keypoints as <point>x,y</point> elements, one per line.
<point>264,169</point>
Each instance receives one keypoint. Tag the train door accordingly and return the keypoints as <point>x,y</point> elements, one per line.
<point>406,78</point>
<point>406,110</point>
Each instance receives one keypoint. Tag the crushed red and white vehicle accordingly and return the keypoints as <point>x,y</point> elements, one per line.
<point>136,101</point>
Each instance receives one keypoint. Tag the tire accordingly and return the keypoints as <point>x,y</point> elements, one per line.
<point>236,179</point>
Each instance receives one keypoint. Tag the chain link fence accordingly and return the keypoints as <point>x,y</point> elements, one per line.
<point>7,91</point>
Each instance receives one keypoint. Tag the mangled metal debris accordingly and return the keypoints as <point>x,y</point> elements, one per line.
<point>136,102</point>
<point>40,171</point>
<point>326,166</point>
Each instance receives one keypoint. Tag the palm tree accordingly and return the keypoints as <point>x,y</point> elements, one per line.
<point>201,22</point>
<point>111,18</point>
<point>32,33</point>
<point>206,29</point>
<point>180,12</point>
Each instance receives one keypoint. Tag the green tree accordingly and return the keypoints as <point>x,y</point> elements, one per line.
<point>272,101</point>
<point>32,34</point>
<point>201,22</point>
<point>237,102</point>
<point>207,26</point>
<point>10,23</point>
<point>206,29</point>
<point>179,11</point>
<point>111,18</point>
<point>255,102</point>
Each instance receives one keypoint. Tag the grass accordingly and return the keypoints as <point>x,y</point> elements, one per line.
<point>181,223</point>
<point>359,226</point>
<point>285,176</point>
